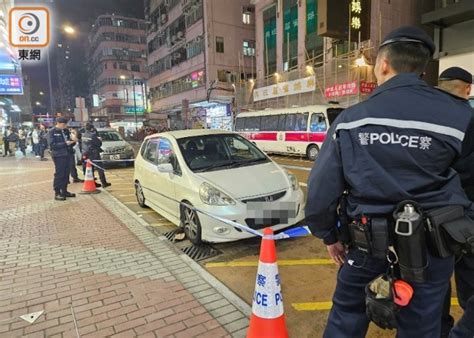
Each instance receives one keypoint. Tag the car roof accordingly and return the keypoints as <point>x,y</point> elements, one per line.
<point>178,134</point>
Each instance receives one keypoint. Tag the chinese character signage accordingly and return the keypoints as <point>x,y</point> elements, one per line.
<point>342,89</point>
<point>11,85</point>
<point>303,85</point>
<point>367,87</point>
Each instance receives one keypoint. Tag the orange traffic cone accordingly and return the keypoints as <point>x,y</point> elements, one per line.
<point>89,183</point>
<point>268,319</point>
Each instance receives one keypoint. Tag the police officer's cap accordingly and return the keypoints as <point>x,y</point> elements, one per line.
<point>89,126</point>
<point>61,120</point>
<point>456,73</point>
<point>410,34</point>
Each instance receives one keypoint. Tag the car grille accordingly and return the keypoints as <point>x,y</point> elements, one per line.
<point>268,198</point>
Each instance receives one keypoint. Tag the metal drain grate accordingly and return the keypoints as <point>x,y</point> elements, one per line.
<point>198,253</point>
<point>171,234</point>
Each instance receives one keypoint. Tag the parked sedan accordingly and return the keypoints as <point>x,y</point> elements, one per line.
<point>220,173</point>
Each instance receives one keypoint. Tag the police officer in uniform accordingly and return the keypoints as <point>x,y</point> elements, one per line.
<point>59,145</point>
<point>456,82</point>
<point>91,149</point>
<point>397,145</point>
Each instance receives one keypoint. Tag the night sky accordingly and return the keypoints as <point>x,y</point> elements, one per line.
<point>79,14</point>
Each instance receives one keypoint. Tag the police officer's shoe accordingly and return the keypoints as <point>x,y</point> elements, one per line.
<point>59,197</point>
<point>98,185</point>
<point>69,194</point>
<point>77,180</point>
<point>105,185</point>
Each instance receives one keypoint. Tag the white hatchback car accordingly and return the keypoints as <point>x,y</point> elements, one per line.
<point>220,173</point>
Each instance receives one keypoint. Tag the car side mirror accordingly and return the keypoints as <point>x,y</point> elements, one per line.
<point>165,168</point>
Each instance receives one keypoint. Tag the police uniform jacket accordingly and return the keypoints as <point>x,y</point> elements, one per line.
<point>465,165</point>
<point>91,145</point>
<point>57,142</point>
<point>399,144</point>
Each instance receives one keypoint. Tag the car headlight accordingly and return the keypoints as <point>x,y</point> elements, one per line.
<point>293,181</point>
<point>214,196</point>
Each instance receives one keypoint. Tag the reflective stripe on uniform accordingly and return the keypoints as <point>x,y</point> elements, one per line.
<point>436,128</point>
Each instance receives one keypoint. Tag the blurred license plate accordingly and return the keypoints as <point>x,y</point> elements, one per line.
<point>269,210</point>
<point>115,157</point>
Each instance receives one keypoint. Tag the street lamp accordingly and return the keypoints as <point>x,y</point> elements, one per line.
<point>69,30</point>
<point>38,103</point>
<point>41,93</point>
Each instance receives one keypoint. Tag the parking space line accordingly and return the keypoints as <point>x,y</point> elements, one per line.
<point>281,262</point>
<point>128,195</point>
<point>323,306</point>
<point>146,211</point>
<point>303,184</point>
<point>131,202</point>
<point>312,306</point>
<point>160,224</point>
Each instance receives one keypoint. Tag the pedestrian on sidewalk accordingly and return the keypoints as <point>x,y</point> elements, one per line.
<point>12,141</point>
<point>6,144</point>
<point>43,142</point>
<point>59,145</point>
<point>91,147</point>
<point>35,141</point>
<point>22,141</point>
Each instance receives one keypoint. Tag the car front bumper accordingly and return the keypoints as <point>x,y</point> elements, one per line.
<point>216,231</point>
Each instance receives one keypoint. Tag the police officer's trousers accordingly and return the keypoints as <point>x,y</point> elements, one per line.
<point>61,174</point>
<point>420,319</point>
<point>464,328</point>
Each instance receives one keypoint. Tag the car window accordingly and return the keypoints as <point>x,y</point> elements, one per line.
<point>239,123</point>
<point>143,148</point>
<point>212,152</point>
<point>151,151</point>
<point>166,154</point>
<point>281,122</point>
<point>318,123</point>
<point>109,136</point>
<point>269,122</point>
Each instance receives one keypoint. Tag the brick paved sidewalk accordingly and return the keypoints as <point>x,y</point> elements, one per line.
<point>94,269</point>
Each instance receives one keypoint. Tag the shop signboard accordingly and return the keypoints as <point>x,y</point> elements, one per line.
<point>367,87</point>
<point>341,89</point>
<point>303,85</point>
<point>11,85</point>
<point>131,110</point>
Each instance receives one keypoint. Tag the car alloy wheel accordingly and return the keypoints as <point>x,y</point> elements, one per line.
<point>191,225</point>
<point>140,195</point>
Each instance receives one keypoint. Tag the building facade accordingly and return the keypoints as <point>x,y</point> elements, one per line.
<point>316,51</point>
<point>117,70</point>
<point>197,52</point>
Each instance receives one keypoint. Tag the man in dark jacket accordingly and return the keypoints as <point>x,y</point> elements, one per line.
<point>59,144</point>
<point>72,156</point>
<point>91,149</point>
<point>456,82</point>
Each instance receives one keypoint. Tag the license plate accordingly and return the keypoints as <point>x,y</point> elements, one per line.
<point>115,157</point>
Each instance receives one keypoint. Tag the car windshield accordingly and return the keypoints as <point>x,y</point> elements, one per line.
<point>109,136</point>
<point>217,152</point>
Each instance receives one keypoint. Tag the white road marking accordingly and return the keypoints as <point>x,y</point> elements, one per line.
<point>295,167</point>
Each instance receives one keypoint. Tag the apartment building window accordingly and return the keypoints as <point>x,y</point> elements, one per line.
<point>123,66</point>
<point>248,47</point>
<point>219,44</point>
<point>247,15</point>
<point>105,65</point>
<point>134,67</point>
<point>194,48</point>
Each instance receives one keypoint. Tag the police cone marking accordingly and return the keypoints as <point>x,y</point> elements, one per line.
<point>267,299</point>
<point>89,175</point>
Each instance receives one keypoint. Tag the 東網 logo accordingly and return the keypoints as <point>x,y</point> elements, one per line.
<point>29,26</point>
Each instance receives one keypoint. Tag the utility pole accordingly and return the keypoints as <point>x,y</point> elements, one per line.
<point>135,106</point>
